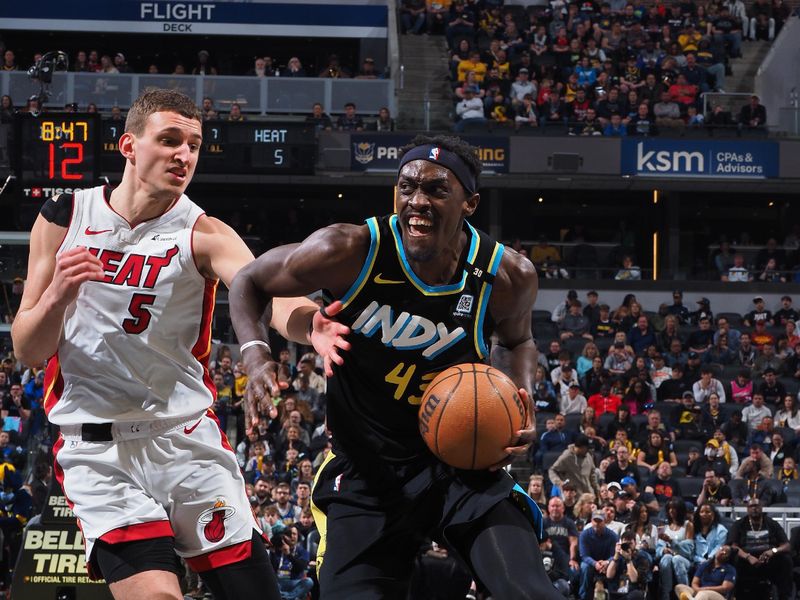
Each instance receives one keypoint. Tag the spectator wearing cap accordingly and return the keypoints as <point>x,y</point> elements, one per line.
<point>693,365</point>
<point>597,545</point>
<point>522,87</point>
<point>367,70</point>
<point>677,308</point>
<point>707,385</point>
<point>753,414</point>
<point>574,324</point>
<point>576,465</point>
<point>759,313</point>
<point>703,310</point>
<point>203,66</point>
<point>659,371</point>
<point>470,109</point>
<point>786,313</point>
<point>575,402</point>
<point>121,64</point>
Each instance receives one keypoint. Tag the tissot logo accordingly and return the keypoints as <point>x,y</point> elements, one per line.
<point>666,161</point>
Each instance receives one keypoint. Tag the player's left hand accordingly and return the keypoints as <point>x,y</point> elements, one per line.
<point>262,385</point>
<point>327,336</point>
<point>525,436</point>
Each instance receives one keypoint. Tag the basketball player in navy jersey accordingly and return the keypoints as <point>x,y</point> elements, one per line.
<point>119,301</point>
<point>421,290</point>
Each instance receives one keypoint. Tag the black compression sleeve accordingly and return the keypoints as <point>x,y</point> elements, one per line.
<point>58,210</point>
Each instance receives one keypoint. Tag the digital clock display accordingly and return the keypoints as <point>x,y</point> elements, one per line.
<point>58,149</point>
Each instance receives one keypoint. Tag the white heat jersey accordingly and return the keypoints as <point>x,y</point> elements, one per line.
<point>135,346</point>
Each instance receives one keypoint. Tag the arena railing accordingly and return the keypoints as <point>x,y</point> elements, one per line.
<point>264,95</point>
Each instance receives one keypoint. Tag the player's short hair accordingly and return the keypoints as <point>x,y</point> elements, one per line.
<point>154,100</point>
<point>466,152</point>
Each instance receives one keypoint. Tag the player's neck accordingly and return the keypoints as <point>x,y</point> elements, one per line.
<point>136,204</point>
<point>440,269</point>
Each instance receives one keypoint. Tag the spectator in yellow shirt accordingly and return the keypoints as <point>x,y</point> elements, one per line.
<point>473,63</point>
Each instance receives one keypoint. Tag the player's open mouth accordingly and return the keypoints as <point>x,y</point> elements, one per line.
<point>419,226</point>
<point>178,173</point>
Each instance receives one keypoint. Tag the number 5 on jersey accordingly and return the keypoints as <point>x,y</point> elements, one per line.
<point>140,314</point>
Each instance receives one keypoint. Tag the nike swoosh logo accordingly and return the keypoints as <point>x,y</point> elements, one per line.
<point>379,279</point>
<point>98,232</point>
<point>189,430</point>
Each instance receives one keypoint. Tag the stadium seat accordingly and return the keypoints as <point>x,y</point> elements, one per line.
<point>791,384</point>
<point>729,373</point>
<point>543,329</point>
<point>679,471</point>
<point>788,434</point>
<point>603,345</point>
<point>603,421</point>
<point>541,315</point>
<point>682,446</point>
<point>573,422</point>
<point>729,408</point>
<point>691,487</point>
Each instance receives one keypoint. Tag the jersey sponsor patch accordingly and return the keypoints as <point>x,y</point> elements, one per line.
<point>464,306</point>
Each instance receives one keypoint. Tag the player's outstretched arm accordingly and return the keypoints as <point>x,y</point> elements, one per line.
<point>514,295</point>
<point>328,259</point>
<point>52,284</point>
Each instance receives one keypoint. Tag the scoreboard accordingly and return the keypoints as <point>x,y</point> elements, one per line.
<point>74,150</point>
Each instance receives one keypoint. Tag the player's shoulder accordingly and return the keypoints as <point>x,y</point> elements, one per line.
<point>516,271</point>
<point>211,225</point>
<point>340,237</point>
<point>58,209</point>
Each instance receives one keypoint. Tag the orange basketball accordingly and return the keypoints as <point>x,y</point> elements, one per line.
<point>469,414</point>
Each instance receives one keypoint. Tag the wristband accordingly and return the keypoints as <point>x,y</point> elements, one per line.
<point>252,343</point>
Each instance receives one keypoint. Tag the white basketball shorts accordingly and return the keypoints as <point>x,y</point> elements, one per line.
<point>159,479</point>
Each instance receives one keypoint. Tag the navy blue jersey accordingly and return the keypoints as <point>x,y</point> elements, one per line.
<point>405,332</point>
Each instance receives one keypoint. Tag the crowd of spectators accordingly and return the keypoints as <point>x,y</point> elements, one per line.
<point>613,68</point>
<point>650,421</point>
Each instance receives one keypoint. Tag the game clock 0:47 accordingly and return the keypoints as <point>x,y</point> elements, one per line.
<point>58,148</point>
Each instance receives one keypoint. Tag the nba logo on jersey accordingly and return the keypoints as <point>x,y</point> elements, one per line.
<point>337,483</point>
<point>464,306</point>
<point>434,155</point>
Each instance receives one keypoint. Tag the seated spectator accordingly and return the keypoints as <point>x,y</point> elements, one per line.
<point>770,273</point>
<point>575,402</point>
<point>290,560</point>
<point>536,491</point>
<point>762,22</point>
<point>675,548</point>
<point>667,112</point>
<point>628,272</point>
<point>761,550</point>
<point>707,385</point>
<point>350,121</point>
<point>753,115</point>
<point>209,112</point>
<point>642,124</point>
<point>526,113</point>
<point>714,579</point>
<point>334,69</point>
<point>604,401</point>
<point>472,64</point>
<point>787,472</point>
<point>498,107</point>
<point>470,109</point>
<point>788,415</point>
<point>260,68</point>
<point>655,452</point>
<point>367,70</point>
<point>715,491</point>
<point>575,324</point>
<point>412,16</point>
<point>597,545</point>
<point>470,82</point>
<point>768,360</point>
<point>294,68</point>
<point>203,66</point>
<point>622,467</point>
<point>738,272</point>
<point>563,535</point>
<point>615,128</point>
<point>709,533</point>
<point>712,416</point>
<point>757,462</point>
<point>236,113</point>
<point>772,389</point>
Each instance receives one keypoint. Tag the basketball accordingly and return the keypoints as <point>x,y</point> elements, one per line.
<point>469,414</point>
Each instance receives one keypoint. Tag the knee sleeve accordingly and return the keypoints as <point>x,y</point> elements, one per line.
<point>252,577</point>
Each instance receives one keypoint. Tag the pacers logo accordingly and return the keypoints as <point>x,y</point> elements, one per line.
<point>214,519</point>
<point>364,152</point>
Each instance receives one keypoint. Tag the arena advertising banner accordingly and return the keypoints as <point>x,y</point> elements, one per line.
<point>307,18</point>
<point>381,152</point>
<point>741,159</point>
<point>51,562</point>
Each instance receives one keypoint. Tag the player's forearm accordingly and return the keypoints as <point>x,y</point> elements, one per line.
<point>250,308</point>
<point>518,362</point>
<point>292,318</point>
<point>37,331</point>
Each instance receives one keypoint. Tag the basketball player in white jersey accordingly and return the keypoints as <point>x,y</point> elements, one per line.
<point>119,298</point>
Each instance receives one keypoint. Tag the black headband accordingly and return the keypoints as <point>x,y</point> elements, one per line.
<point>441,156</point>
